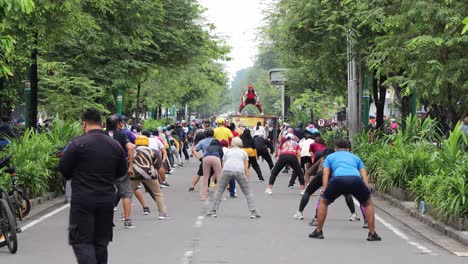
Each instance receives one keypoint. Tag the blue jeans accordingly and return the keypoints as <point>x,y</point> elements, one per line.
<point>232,187</point>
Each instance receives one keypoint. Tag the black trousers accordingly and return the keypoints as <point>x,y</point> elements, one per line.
<point>285,160</point>
<point>304,161</point>
<point>264,154</point>
<point>256,167</point>
<point>90,230</point>
<point>184,150</point>
<point>313,186</point>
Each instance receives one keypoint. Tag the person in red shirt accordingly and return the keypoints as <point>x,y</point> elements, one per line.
<point>250,97</point>
<point>318,145</point>
<point>289,153</point>
<point>232,127</point>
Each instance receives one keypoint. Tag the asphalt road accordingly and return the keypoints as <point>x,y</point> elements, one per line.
<point>232,237</point>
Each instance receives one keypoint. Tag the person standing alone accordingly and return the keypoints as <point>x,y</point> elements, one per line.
<point>93,162</point>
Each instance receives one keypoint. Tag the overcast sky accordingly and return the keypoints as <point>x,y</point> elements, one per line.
<point>237,21</point>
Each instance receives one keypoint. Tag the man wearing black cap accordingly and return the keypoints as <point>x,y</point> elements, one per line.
<point>93,162</point>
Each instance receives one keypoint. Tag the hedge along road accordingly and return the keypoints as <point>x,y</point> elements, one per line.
<point>190,237</point>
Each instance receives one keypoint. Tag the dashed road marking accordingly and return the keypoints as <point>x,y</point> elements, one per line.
<point>399,233</point>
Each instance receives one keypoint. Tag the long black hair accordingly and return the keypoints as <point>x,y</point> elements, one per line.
<point>247,139</point>
<point>258,125</point>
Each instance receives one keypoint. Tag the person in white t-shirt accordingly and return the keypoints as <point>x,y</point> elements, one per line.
<point>259,130</point>
<point>306,160</point>
<point>236,166</point>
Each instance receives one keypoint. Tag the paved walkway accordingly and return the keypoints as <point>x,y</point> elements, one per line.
<point>189,237</point>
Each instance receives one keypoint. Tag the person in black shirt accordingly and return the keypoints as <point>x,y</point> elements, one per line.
<point>262,145</point>
<point>124,189</point>
<point>93,162</point>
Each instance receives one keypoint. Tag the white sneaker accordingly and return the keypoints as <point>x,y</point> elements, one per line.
<point>269,191</point>
<point>354,217</point>
<point>302,192</point>
<point>298,216</point>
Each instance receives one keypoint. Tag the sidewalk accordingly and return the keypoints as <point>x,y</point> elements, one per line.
<point>439,233</point>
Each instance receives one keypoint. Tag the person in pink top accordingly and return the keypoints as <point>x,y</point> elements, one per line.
<point>289,153</point>
<point>318,145</point>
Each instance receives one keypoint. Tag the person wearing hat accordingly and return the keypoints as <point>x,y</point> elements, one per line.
<point>148,167</point>
<point>250,97</point>
<point>289,153</point>
<point>222,132</point>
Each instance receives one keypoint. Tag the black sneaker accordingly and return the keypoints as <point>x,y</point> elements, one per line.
<point>165,184</point>
<point>254,215</point>
<point>317,235</point>
<point>212,213</point>
<point>233,196</point>
<point>191,189</point>
<point>146,211</point>
<point>285,171</point>
<point>373,237</point>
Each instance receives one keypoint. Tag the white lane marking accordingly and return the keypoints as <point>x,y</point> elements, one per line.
<point>199,222</point>
<point>398,232</point>
<point>44,217</point>
<point>187,257</point>
<point>461,254</point>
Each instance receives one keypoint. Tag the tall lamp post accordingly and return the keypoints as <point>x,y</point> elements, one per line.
<point>277,78</point>
<point>27,96</point>
<point>353,107</point>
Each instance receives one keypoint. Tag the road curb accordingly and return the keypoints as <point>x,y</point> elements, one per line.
<point>40,200</point>
<point>439,226</point>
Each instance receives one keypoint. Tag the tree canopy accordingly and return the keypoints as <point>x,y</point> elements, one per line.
<point>412,47</point>
<point>80,52</point>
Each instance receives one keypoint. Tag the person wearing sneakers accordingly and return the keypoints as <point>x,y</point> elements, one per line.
<point>289,154</point>
<point>316,171</point>
<point>124,191</point>
<point>148,167</point>
<point>202,146</point>
<point>212,161</point>
<point>349,176</point>
<point>249,148</point>
<point>232,183</point>
<point>236,166</point>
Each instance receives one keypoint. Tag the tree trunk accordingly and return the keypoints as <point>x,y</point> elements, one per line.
<point>137,114</point>
<point>34,88</point>
<point>379,92</point>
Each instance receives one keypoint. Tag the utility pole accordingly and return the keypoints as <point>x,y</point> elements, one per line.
<point>277,78</point>
<point>353,110</point>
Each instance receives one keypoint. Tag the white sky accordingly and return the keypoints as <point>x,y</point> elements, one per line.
<point>237,22</point>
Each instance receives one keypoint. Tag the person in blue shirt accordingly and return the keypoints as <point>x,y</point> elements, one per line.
<point>349,177</point>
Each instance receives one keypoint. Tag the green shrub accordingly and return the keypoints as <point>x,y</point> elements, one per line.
<point>152,124</point>
<point>34,159</point>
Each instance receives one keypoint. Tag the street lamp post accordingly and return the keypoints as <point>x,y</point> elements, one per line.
<point>353,110</point>
<point>277,78</point>
<point>27,97</point>
<point>365,101</point>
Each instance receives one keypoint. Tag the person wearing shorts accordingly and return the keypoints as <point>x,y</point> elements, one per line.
<point>124,190</point>
<point>349,177</point>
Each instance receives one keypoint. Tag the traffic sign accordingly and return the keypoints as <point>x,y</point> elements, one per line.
<point>321,122</point>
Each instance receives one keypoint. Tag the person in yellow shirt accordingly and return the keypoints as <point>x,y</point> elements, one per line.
<point>222,132</point>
